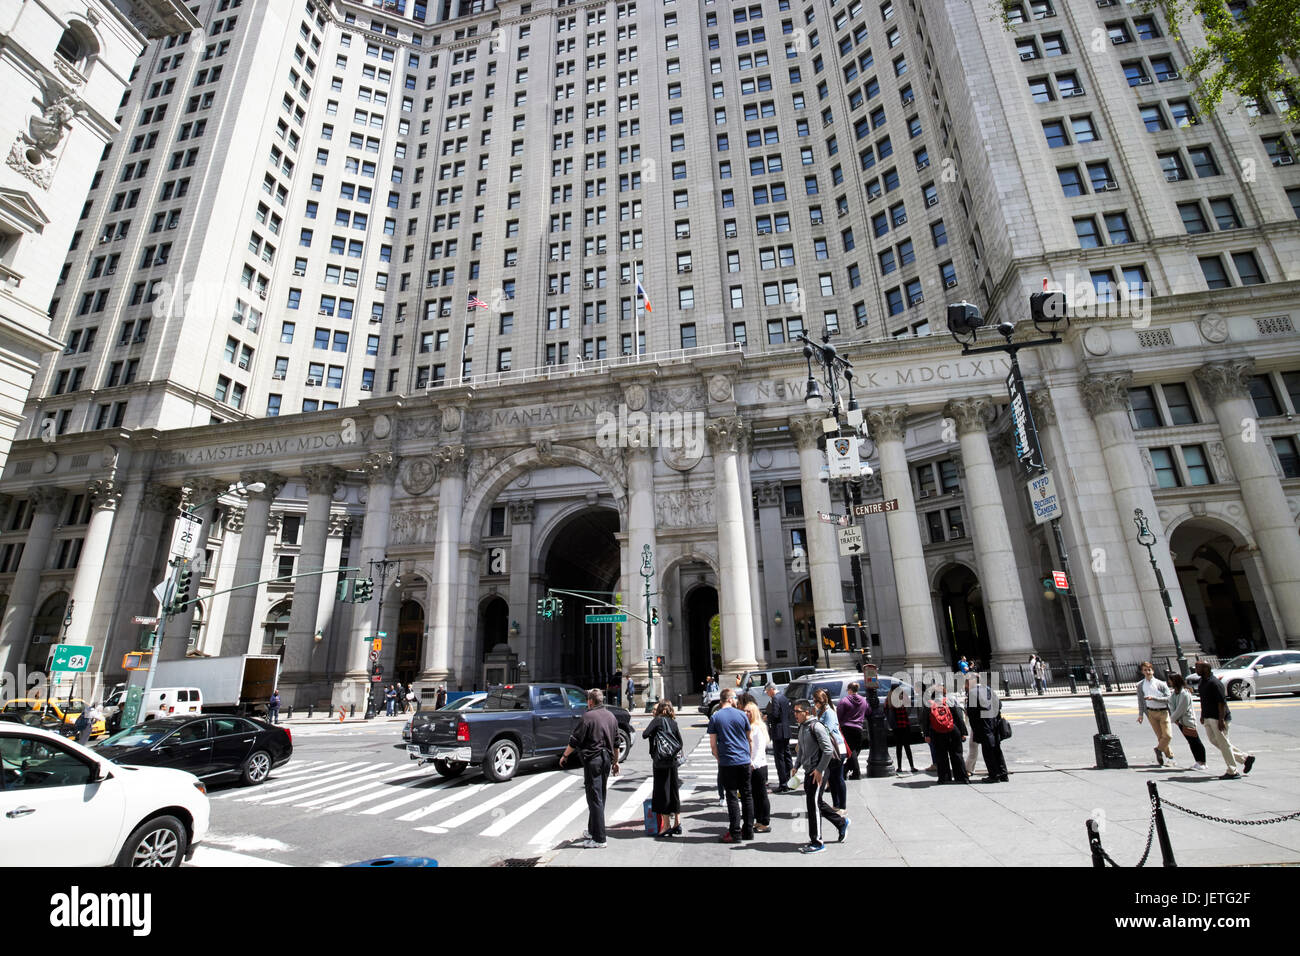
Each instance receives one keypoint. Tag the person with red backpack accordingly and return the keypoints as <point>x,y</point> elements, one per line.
<point>945,731</point>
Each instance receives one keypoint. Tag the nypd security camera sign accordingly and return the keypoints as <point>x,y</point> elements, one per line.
<point>842,457</point>
<point>1043,497</point>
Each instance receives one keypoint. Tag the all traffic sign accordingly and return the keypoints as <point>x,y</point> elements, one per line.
<point>850,540</point>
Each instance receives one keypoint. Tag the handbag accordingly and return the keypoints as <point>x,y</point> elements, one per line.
<point>666,746</point>
<point>1004,729</point>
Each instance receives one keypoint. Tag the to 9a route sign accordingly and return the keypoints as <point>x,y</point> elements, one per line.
<point>71,657</point>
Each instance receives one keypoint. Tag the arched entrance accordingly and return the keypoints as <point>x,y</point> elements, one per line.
<point>46,628</point>
<point>961,602</point>
<point>1213,573</point>
<point>701,606</point>
<point>583,556</point>
<point>806,644</point>
<point>410,641</point>
<point>276,628</point>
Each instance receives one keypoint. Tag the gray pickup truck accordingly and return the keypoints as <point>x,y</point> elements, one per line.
<point>517,722</point>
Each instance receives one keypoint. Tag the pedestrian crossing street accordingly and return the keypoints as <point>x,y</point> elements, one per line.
<point>544,805</point>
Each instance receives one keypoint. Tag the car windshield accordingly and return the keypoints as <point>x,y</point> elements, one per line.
<point>1240,661</point>
<point>142,735</point>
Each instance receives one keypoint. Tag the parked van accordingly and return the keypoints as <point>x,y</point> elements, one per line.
<point>171,701</point>
<point>753,682</point>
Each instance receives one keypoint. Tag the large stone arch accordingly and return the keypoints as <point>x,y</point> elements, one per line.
<point>1238,535</point>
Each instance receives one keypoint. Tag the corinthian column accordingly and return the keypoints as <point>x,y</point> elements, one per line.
<point>640,532</point>
<point>888,426</point>
<point>452,464</point>
<point>823,544</point>
<point>737,608</point>
<point>999,573</point>
<point>242,606</point>
<point>321,482</point>
<point>205,492</point>
<point>1106,398</point>
<point>105,495</point>
<point>1227,386</point>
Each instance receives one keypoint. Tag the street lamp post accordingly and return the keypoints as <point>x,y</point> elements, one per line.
<point>383,564</point>
<point>647,572</point>
<point>1047,310</point>
<point>835,367</point>
<point>1147,538</point>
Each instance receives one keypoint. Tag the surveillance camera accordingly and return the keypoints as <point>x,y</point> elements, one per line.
<point>825,474</point>
<point>1006,328</point>
<point>867,470</point>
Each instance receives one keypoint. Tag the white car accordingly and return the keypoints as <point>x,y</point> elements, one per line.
<point>64,805</point>
<point>1259,673</point>
<point>468,702</point>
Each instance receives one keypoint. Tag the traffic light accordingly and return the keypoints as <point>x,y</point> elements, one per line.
<point>181,594</point>
<point>659,661</point>
<point>344,590</point>
<point>828,638</point>
<point>542,606</point>
<point>557,607</point>
<point>654,616</point>
<point>363,590</point>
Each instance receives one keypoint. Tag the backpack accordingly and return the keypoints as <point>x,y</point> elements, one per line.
<point>941,717</point>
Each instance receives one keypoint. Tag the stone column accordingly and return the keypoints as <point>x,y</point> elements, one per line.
<point>380,470</point>
<point>47,506</point>
<point>762,623</point>
<point>878,583</point>
<point>452,463</point>
<point>105,494</point>
<point>523,607</point>
<point>212,642</point>
<point>322,653</point>
<point>321,482</point>
<point>776,562</point>
<point>242,605</point>
<point>143,563</point>
<point>205,492</point>
<point>888,425</point>
<point>735,602</point>
<point>640,532</point>
<point>823,543</point>
<point>999,574</point>
<point>1106,398</point>
<point>1226,385</point>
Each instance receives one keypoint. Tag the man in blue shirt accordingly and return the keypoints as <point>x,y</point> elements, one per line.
<point>729,741</point>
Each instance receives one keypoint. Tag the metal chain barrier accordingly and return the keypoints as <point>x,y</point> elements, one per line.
<point>1235,823</point>
<point>1146,852</point>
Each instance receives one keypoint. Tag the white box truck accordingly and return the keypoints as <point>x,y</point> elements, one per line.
<point>240,684</point>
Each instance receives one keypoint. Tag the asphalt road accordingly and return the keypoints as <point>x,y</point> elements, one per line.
<point>350,793</point>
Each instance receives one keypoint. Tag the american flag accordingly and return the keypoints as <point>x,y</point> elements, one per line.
<point>476,303</point>
<point>645,298</point>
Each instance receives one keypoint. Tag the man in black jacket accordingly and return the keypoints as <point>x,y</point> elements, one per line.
<point>596,739</point>
<point>983,708</point>
<point>780,727</point>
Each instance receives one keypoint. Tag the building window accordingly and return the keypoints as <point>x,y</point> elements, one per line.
<point>1166,472</point>
<point>1198,470</point>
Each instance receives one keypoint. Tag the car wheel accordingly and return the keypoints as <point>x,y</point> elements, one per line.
<point>449,768</point>
<point>624,746</point>
<point>158,842</point>
<point>502,761</point>
<point>1240,690</point>
<point>256,768</point>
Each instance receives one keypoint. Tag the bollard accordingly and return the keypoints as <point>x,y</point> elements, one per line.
<point>1006,688</point>
<point>1105,677</point>
<point>311,711</point>
<point>1166,848</point>
<point>1074,688</point>
<point>1094,844</point>
<point>289,714</point>
<point>679,701</point>
<point>353,711</point>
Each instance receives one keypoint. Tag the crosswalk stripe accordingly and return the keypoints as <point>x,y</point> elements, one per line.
<point>364,790</point>
<point>278,779</point>
<point>312,794</point>
<point>355,770</point>
<point>631,808</point>
<point>547,834</point>
<point>434,807</point>
<point>417,791</point>
<point>506,822</point>
<point>509,793</point>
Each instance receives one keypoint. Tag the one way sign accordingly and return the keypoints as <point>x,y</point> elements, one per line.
<point>850,540</point>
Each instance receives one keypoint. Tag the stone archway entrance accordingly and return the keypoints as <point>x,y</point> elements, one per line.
<point>584,557</point>
<point>961,603</point>
<point>701,607</point>
<point>807,646</point>
<point>410,642</point>
<point>1215,576</point>
<point>46,628</point>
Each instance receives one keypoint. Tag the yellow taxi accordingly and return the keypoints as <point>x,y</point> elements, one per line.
<point>58,715</point>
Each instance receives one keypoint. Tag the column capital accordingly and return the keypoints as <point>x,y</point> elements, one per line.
<point>322,479</point>
<point>48,501</point>
<point>105,493</point>
<point>1003,448</point>
<point>1221,381</point>
<point>1041,407</point>
<point>235,519</point>
<point>1106,393</point>
<point>521,512</point>
<point>382,466</point>
<point>726,434</point>
<point>339,524</point>
<point>160,497</point>
<point>887,422</point>
<point>806,429</point>
<point>451,460</point>
<point>274,483</point>
<point>970,414</point>
<point>770,493</point>
<point>200,490</point>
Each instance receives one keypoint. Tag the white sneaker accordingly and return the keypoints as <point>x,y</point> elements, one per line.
<point>1198,766</point>
<point>592,845</point>
<point>585,835</point>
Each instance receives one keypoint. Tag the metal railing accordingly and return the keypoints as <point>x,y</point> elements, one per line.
<point>1063,681</point>
<point>580,367</point>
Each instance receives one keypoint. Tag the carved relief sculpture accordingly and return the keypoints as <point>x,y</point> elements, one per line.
<point>34,151</point>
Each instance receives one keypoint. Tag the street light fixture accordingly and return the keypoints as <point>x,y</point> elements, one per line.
<point>1047,311</point>
<point>835,367</point>
<point>1147,538</point>
<point>383,564</point>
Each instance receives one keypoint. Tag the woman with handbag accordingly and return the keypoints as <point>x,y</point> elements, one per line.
<point>667,755</point>
<point>839,790</point>
<point>758,739</point>
<point>1182,714</point>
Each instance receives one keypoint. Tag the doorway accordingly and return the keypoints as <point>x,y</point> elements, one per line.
<point>962,602</point>
<point>410,642</point>
<point>703,645</point>
<point>583,557</point>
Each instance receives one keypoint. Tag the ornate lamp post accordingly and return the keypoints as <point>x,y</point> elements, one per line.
<point>1147,538</point>
<point>383,564</point>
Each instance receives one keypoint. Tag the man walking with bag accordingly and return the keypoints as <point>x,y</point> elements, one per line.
<point>781,727</point>
<point>815,755</point>
<point>596,739</point>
